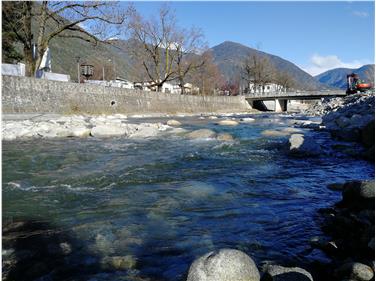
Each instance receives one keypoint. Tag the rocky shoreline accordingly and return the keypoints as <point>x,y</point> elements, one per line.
<point>351,222</point>
<point>92,126</point>
<point>81,126</point>
<point>351,119</point>
<point>350,226</point>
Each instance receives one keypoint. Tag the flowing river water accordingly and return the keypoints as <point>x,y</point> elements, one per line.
<point>157,204</point>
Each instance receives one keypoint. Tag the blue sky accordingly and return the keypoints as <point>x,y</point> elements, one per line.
<point>316,36</point>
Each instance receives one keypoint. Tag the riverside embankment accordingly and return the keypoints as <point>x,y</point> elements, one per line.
<point>29,95</point>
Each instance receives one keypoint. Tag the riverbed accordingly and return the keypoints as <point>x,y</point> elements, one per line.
<point>146,208</point>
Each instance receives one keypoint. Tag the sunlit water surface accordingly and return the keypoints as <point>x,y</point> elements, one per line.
<point>167,200</point>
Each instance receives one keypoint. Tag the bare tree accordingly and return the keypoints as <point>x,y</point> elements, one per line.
<point>259,71</point>
<point>207,77</point>
<point>188,45</point>
<point>10,54</point>
<point>154,46</point>
<point>283,81</point>
<point>231,87</point>
<point>53,19</point>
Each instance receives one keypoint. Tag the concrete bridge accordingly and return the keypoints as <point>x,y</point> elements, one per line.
<point>281,98</point>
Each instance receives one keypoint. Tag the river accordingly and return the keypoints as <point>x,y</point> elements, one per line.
<point>160,203</point>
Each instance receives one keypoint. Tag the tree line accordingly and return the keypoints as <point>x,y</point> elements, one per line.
<point>161,50</point>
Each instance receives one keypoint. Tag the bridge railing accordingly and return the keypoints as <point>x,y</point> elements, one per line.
<point>304,93</point>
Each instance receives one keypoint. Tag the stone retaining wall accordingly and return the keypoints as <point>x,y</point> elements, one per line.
<point>29,95</point>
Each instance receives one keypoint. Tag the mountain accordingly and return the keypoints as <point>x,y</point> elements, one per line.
<point>117,57</point>
<point>230,56</point>
<point>337,77</point>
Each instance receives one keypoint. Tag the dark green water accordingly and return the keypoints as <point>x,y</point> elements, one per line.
<point>167,200</point>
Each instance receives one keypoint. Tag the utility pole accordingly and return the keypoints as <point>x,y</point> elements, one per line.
<point>78,69</point>
<point>111,62</point>
<point>114,67</point>
<point>103,73</point>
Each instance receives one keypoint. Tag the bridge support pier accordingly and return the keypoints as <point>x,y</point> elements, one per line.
<point>280,105</point>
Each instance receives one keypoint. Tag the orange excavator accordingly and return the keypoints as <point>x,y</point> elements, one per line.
<point>355,85</point>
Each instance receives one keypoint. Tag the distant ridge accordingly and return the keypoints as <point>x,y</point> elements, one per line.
<point>230,56</point>
<point>337,77</point>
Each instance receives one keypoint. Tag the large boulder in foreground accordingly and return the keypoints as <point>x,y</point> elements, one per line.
<point>301,145</point>
<point>359,194</point>
<point>202,134</point>
<point>280,273</point>
<point>224,265</point>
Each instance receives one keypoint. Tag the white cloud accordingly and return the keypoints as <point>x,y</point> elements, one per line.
<point>360,14</point>
<point>320,64</point>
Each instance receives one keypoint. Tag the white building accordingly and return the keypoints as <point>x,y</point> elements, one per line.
<point>13,69</point>
<point>167,87</point>
<point>142,86</point>
<point>53,76</point>
<point>268,88</point>
<point>118,83</point>
<point>121,83</point>
<point>191,89</point>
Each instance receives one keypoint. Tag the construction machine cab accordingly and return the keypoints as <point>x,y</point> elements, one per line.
<point>355,85</point>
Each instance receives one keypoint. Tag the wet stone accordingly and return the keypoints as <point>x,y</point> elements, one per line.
<point>118,262</point>
<point>224,265</point>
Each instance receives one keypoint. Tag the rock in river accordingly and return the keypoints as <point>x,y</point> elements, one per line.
<point>247,120</point>
<point>355,271</point>
<point>302,145</point>
<point>359,194</point>
<point>280,273</point>
<point>224,265</point>
<point>173,123</point>
<point>107,131</point>
<point>118,262</point>
<point>274,133</point>
<point>228,122</point>
<point>80,131</point>
<point>225,137</point>
<point>202,134</point>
